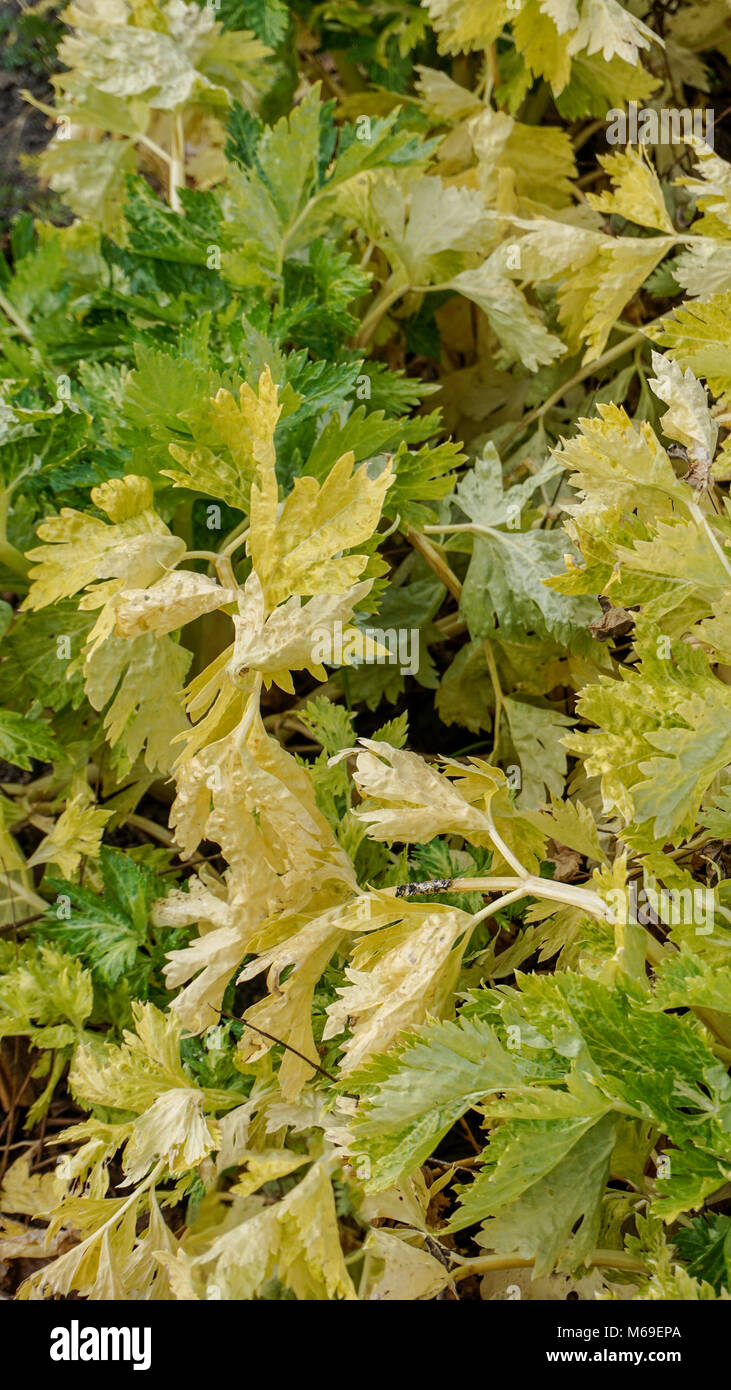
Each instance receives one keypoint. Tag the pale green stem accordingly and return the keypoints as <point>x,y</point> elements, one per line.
<point>702,520</point>
<point>211,555</point>
<point>497,692</point>
<point>153,148</point>
<point>177,164</point>
<point>221,561</point>
<point>367,255</point>
<point>13,560</point>
<point>151,828</point>
<point>601,1259</point>
<point>527,885</point>
<point>237,537</point>
<point>497,905</point>
<point>388,296</point>
<point>15,317</point>
<point>505,850</point>
<point>435,561</point>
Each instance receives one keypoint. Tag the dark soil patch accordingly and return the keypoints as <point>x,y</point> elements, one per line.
<point>28,40</point>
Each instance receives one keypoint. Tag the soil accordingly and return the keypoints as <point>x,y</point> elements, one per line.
<point>28,41</point>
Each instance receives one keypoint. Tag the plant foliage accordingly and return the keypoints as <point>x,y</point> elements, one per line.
<point>365,552</point>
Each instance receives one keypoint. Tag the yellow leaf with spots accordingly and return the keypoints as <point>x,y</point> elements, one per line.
<point>300,551</point>
<point>136,547</point>
<point>245,428</point>
<point>297,636</point>
<point>176,599</point>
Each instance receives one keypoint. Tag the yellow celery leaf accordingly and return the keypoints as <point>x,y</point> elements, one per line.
<point>297,636</point>
<point>603,26</point>
<point>609,282</point>
<point>395,1269</point>
<point>76,834</point>
<point>428,229</point>
<point>145,1075</point>
<point>144,1066</point>
<point>31,1194</point>
<point>712,192</point>
<point>303,946</point>
<point>249,795</point>
<point>408,799</point>
<point>637,195</point>
<point>265,1165</point>
<point>94,1143</point>
<point>295,1239</point>
<point>168,53</point>
<point>467,24</point>
<point>217,703</point>
<point>540,160</point>
<point>144,1273</point>
<point>179,1275</point>
<point>21,1242</point>
<point>617,464</point>
<point>596,274</point>
<point>94,1267</point>
<point>697,337</point>
<point>299,550</point>
<point>522,334</point>
<point>399,976</point>
<point>142,677</point>
<point>209,961</point>
<point>569,823</point>
<point>542,47</point>
<point>443,97</point>
<point>136,548</point>
<point>113,1260</point>
<point>170,603</point>
<point>89,175</point>
<point>286,1012</point>
<point>246,428</point>
<point>247,792</point>
<point>688,419</point>
<point>173,1128</point>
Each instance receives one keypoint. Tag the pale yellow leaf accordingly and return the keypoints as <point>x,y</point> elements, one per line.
<point>76,834</point>
<point>300,551</point>
<point>170,603</point>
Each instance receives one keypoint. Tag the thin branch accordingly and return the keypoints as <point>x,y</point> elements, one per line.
<point>22,922</point>
<point>434,560</point>
<point>280,1043</point>
<point>378,311</point>
<point>590,369</point>
<point>497,692</point>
